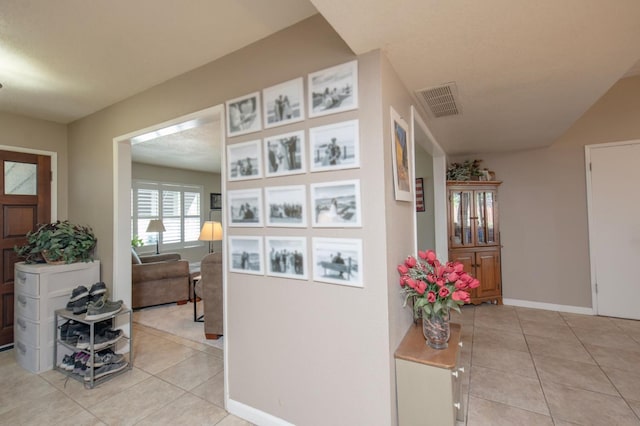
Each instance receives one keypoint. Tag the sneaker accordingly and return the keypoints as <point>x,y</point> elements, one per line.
<point>78,293</point>
<point>97,291</point>
<point>67,361</point>
<point>109,337</point>
<point>102,309</point>
<point>106,370</point>
<point>70,330</point>
<point>79,300</point>
<point>104,357</point>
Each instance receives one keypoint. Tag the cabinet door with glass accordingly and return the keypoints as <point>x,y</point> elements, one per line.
<point>473,215</point>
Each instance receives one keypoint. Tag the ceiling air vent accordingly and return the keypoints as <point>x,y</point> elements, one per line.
<point>441,100</point>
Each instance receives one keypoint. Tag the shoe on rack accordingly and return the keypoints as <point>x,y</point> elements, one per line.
<point>79,300</point>
<point>106,370</point>
<point>104,357</point>
<point>97,291</point>
<point>70,330</point>
<point>102,309</point>
<point>109,337</point>
<point>68,361</point>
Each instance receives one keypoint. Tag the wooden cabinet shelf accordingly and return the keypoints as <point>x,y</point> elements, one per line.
<point>474,235</point>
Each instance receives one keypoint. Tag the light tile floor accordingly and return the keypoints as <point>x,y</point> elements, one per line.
<point>526,367</point>
<point>536,367</point>
<point>174,381</point>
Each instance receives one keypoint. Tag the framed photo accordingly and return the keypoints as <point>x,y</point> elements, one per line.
<point>335,146</point>
<point>243,115</point>
<point>244,160</point>
<point>401,152</point>
<point>287,257</point>
<point>286,206</point>
<point>336,204</point>
<point>245,207</point>
<point>338,261</point>
<point>283,103</point>
<point>419,195</point>
<point>246,255</point>
<point>215,201</point>
<point>285,154</point>
<point>333,90</point>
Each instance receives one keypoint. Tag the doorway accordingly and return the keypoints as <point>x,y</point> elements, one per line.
<point>614,228</point>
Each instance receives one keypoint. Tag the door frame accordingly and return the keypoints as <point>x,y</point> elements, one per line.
<point>54,172</point>
<point>590,219</point>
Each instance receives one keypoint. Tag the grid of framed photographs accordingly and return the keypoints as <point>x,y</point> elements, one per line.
<point>331,204</point>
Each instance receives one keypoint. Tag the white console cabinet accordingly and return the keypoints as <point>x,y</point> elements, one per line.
<point>40,289</point>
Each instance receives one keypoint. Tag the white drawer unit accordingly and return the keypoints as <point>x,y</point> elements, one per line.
<point>40,289</point>
<point>428,380</point>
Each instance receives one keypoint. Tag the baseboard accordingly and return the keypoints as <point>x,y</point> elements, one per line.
<point>254,415</point>
<point>548,306</point>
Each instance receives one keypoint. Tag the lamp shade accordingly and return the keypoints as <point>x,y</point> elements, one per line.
<point>155,225</point>
<point>211,231</point>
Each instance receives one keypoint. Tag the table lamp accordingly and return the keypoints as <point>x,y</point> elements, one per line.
<point>156,225</point>
<point>211,231</point>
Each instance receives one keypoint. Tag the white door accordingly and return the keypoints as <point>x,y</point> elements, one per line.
<point>614,228</point>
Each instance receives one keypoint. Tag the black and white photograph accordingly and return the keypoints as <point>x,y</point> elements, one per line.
<point>285,154</point>
<point>244,160</point>
<point>286,257</point>
<point>338,261</point>
<point>245,207</point>
<point>215,202</point>
<point>243,115</point>
<point>335,146</point>
<point>246,255</point>
<point>336,204</point>
<point>286,206</point>
<point>283,103</point>
<point>333,89</point>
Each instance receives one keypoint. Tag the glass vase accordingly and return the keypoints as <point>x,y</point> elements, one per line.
<point>436,329</point>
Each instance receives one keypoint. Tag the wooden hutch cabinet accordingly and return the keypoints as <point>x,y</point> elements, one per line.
<point>474,235</point>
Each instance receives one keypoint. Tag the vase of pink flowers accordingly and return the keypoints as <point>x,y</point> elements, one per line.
<point>435,288</point>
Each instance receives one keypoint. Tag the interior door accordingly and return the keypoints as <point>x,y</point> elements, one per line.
<point>25,201</point>
<point>614,231</point>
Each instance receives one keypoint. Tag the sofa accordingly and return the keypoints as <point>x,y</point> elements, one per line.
<point>209,289</point>
<point>158,279</point>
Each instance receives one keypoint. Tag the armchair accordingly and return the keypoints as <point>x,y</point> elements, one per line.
<point>159,279</point>
<point>209,289</point>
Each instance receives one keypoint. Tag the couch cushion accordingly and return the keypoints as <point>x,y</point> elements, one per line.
<point>135,259</point>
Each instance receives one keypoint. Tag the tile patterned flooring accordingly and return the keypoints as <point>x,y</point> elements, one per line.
<point>527,367</point>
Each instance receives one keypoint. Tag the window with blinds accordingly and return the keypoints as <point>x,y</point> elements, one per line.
<point>178,206</point>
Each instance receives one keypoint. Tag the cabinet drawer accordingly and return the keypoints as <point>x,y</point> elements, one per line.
<point>27,356</point>
<point>26,283</point>
<point>61,283</point>
<point>27,331</point>
<point>27,307</point>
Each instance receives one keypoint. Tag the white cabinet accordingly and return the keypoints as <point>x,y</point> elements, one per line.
<point>40,289</point>
<point>428,380</point>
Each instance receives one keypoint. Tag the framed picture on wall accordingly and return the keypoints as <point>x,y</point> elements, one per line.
<point>246,255</point>
<point>286,257</point>
<point>285,154</point>
<point>215,201</point>
<point>401,152</point>
<point>245,207</point>
<point>338,261</point>
<point>419,195</point>
<point>333,90</point>
<point>283,103</point>
<point>243,115</point>
<point>244,160</point>
<point>286,206</point>
<point>335,146</point>
<point>336,204</point>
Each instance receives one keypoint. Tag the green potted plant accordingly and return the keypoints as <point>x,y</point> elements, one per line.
<point>58,242</point>
<point>469,170</point>
<point>136,242</point>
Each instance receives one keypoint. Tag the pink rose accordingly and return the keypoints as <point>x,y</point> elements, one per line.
<point>430,257</point>
<point>460,295</point>
<point>421,287</point>
<point>474,283</point>
<point>458,267</point>
<point>431,278</point>
<point>412,283</point>
<point>440,282</point>
<point>403,280</point>
<point>431,297</point>
<point>444,291</point>
<point>410,262</point>
<point>461,285</point>
<point>422,254</point>
<point>452,277</point>
<point>402,269</point>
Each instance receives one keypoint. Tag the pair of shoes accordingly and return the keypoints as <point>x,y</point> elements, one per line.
<point>81,297</point>
<point>102,309</point>
<point>100,341</point>
<point>69,361</point>
<point>105,357</point>
<point>106,370</point>
<point>80,365</point>
<point>70,330</point>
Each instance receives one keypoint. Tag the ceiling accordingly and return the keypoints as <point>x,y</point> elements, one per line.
<point>524,71</point>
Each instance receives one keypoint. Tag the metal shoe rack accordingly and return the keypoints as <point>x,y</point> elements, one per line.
<point>64,314</point>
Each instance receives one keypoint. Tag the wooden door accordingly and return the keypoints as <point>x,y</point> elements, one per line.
<point>614,228</point>
<point>488,273</point>
<point>25,201</point>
